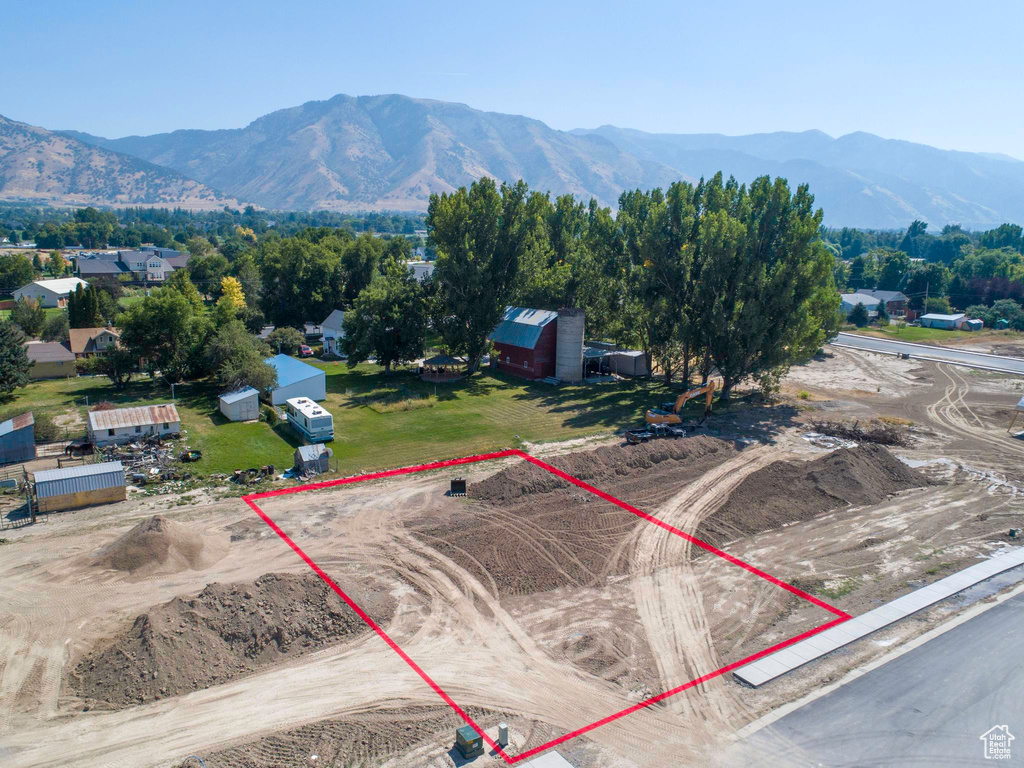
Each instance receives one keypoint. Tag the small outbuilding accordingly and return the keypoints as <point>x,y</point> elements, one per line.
<point>87,485</point>
<point>50,360</point>
<point>18,439</point>
<point>312,459</point>
<point>975,324</point>
<point>240,405</point>
<point>126,425</point>
<point>296,379</point>
<point>945,322</point>
<point>441,369</point>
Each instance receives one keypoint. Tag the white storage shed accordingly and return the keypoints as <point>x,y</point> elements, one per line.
<point>240,405</point>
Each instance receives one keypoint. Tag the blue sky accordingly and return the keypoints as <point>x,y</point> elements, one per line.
<point>942,73</point>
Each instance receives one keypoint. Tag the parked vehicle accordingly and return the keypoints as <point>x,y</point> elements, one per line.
<point>305,350</point>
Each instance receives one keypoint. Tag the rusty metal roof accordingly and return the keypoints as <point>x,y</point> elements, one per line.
<point>133,417</point>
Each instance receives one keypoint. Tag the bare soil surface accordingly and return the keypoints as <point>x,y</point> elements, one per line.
<point>529,602</point>
<point>788,491</point>
<point>225,631</point>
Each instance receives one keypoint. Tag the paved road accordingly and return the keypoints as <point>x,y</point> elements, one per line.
<point>928,707</point>
<point>929,352</point>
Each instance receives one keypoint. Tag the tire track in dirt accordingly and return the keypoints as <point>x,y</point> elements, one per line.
<point>666,585</point>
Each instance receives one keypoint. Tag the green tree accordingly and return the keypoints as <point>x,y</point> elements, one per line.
<point>118,364</point>
<point>939,305</point>
<point>55,327</point>
<point>894,266</point>
<point>359,263</point>
<point>14,364</point>
<point>285,340</point>
<point>479,236</point>
<point>15,271</point>
<point>29,315</point>
<point>56,264</point>
<point>387,320</point>
<point>1009,310</point>
<point>859,315</point>
<point>168,331</point>
<point>239,358</point>
<point>883,314</point>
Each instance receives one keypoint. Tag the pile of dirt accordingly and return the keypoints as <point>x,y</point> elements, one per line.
<point>786,492</point>
<point>609,468</point>
<point>227,630</point>
<point>158,544</point>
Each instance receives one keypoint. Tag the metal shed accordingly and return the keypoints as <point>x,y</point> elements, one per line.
<point>312,459</point>
<point>296,379</point>
<point>77,487</point>
<point>18,439</point>
<point>241,404</point>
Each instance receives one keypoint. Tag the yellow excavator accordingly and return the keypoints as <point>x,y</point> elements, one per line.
<point>670,413</point>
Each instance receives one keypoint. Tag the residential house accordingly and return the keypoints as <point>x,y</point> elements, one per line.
<point>895,301</point>
<point>87,342</point>
<point>50,293</point>
<point>421,270</point>
<point>126,425</point>
<point>296,379</point>
<point>850,300</point>
<point>50,360</point>
<point>333,329</point>
<point>148,263</point>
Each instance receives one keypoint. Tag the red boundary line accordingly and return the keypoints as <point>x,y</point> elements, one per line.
<point>509,759</point>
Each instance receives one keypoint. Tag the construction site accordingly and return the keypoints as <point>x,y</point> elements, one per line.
<point>598,600</point>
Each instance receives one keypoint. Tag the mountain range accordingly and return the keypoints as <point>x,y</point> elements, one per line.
<point>391,152</point>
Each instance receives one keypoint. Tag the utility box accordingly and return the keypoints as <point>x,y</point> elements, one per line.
<point>502,735</point>
<point>469,742</point>
<point>458,487</point>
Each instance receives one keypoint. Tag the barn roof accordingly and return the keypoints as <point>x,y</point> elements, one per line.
<point>18,422</point>
<point>291,371</point>
<point>48,352</point>
<point>521,326</point>
<point>141,416</point>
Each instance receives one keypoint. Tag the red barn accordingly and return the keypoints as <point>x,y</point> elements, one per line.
<point>525,340</point>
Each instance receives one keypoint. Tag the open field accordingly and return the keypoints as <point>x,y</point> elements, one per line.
<point>136,642</point>
<point>937,335</point>
<point>378,421</point>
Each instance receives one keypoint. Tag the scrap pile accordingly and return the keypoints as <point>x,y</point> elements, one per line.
<point>150,459</point>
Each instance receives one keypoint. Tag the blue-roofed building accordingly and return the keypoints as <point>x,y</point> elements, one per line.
<point>296,379</point>
<point>240,405</point>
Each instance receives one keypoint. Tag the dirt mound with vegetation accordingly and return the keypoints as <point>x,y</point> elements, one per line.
<point>225,631</point>
<point>611,468</point>
<point>524,530</point>
<point>790,491</point>
<point>158,544</point>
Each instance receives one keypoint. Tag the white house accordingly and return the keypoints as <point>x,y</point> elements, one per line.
<point>850,300</point>
<point>296,379</point>
<point>126,425</point>
<point>50,293</point>
<point>421,270</point>
<point>333,330</point>
<point>240,405</point>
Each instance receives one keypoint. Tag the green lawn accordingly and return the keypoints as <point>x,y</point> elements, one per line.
<point>936,335</point>
<point>379,421</point>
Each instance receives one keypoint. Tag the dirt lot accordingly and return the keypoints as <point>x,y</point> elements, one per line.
<point>133,639</point>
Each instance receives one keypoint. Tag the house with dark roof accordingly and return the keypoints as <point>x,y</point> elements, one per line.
<point>50,360</point>
<point>895,301</point>
<point>147,263</point>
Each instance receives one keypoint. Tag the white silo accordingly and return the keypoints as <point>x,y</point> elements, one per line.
<point>569,345</point>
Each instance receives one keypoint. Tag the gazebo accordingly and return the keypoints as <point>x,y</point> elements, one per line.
<point>440,369</point>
